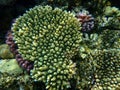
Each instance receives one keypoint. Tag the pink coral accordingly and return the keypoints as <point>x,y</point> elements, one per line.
<point>25,64</point>
<point>87,21</point>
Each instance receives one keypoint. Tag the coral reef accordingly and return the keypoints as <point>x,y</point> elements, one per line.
<point>106,39</point>
<point>89,43</point>
<point>49,37</point>
<point>98,62</point>
<point>5,80</point>
<point>68,4</point>
<point>68,45</point>
<point>97,6</point>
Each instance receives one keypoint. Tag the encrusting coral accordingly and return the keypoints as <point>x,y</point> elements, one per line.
<point>10,66</point>
<point>49,37</point>
<point>5,52</point>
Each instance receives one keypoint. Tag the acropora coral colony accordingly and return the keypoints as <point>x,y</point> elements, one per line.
<point>66,49</point>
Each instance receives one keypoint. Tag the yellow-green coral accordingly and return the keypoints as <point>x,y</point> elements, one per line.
<point>5,80</point>
<point>110,11</point>
<point>100,70</point>
<point>49,37</point>
<point>85,72</point>
<point>106,39</point>
<point>110,18</point>
<point>15,81</point>
<point>9,72</point>
<point>110,39</point>
<point>107,75</point>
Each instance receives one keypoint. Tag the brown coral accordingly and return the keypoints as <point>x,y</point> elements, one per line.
<point>86,19</point>
<point>25,64</point>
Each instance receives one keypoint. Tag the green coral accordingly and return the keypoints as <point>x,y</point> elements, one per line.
<point>110,18</point>
<point>99,70</point>
<point>110,39</point>
<point>5,52</point>
<point>89,42</point>
<point>98,61</point>
<point>64,3</point>
<point>5,80</point>
<point>85,72</point>
<point>49,37</point>
<point>15,82</point>
<point>10,73</point>
<point>106,39</point>
<point>107,74</point>
<point>110,11</point>
<point>10,66</point>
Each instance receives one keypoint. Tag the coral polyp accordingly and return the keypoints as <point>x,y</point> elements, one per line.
<point>50,38</point>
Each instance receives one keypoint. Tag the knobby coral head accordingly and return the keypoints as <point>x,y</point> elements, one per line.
<point>48,37</point>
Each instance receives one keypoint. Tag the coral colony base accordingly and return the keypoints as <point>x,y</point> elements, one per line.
<point>62,50</point>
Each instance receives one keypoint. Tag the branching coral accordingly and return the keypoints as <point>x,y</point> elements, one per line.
<point>110,18</point>
<point>106,39</point>
<point>85,73</point>
<point>107,74</point>
<point>49,37</point>
<point>5,80</point>
<point>110,39</point>
<point>100,70</point>
<point>98,62</point>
